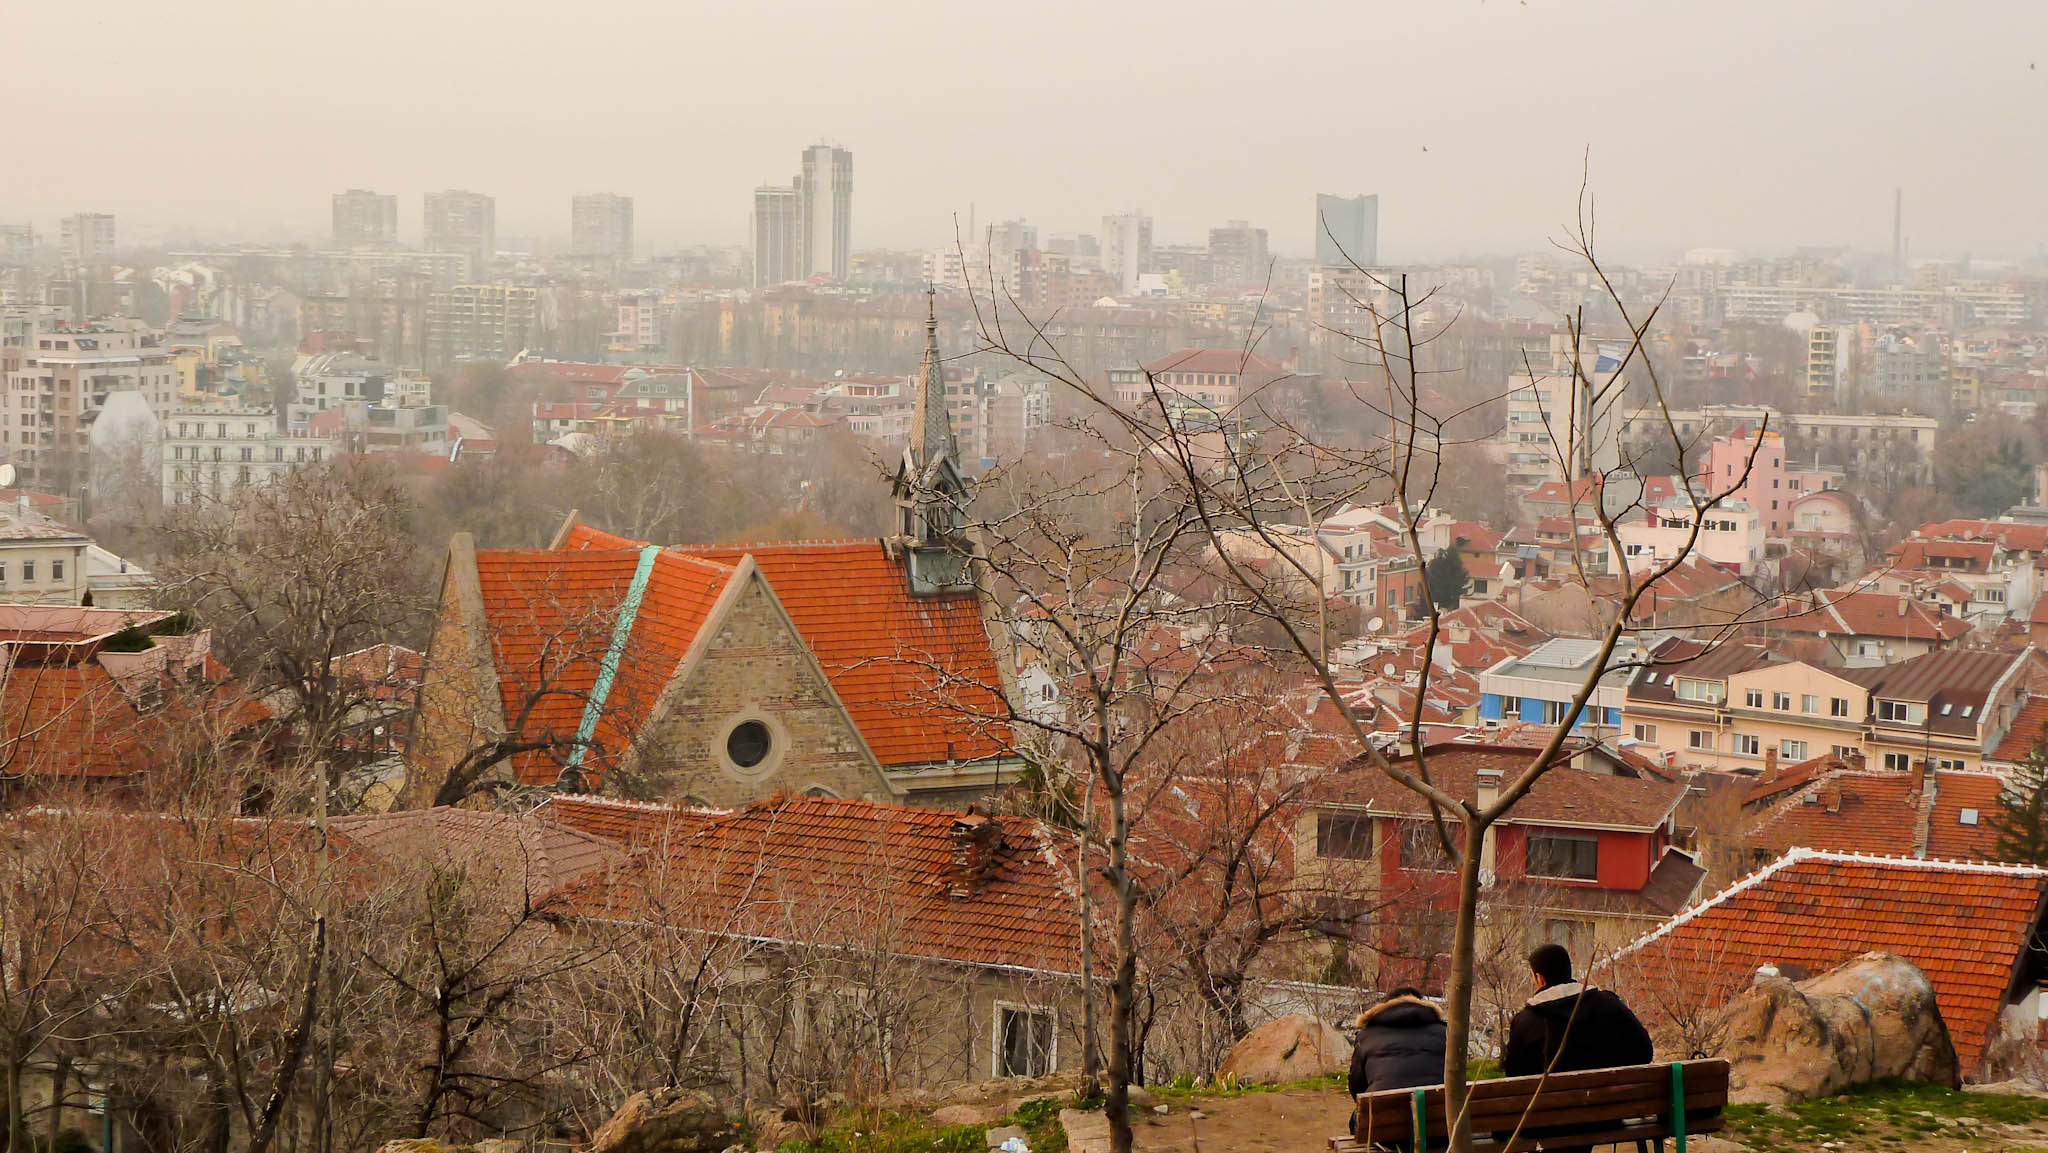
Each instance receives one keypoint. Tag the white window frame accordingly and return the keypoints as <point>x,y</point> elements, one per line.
<point>995,1035</point>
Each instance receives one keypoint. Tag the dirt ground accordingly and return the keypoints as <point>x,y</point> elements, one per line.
<point>1303,1120</point>
<point>1283,1121</point>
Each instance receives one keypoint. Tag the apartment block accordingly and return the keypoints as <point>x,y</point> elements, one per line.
<point>86,237</point>
<point>208,453</point>
<point>364,219</point>
<point>601,225</point>
<point>64,377</point>
<point>466,224</point>
<point>490,322</point>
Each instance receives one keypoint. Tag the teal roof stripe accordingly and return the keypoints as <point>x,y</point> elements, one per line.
<point>608,669</point>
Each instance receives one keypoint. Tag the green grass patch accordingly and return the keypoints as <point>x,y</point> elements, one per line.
<point>1890,1112</point>
<point>895,1133</point>
<point>1188,1087</point>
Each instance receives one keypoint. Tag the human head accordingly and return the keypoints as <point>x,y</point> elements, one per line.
<point>1551,964</point>
<point>1403,991</point>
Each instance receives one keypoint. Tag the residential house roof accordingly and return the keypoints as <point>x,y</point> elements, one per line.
<point>2029,729</point>
<point>1968,926</point>
<point>2013,535</point>
<point>541,856</point>
<point>1954,684</point>
<point>1694,660</point>
<point>1564,797</point>
<point>1839,612</point>
<point>945,886</point>
<point>1880,812</point>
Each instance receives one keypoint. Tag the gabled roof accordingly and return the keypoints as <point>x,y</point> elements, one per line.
<point>917,674</point>
<point>864,875</point>
<point>1955,684</point>
<point>1564,797</point>
<point>2009,534</point>
<point>1839,612</point>
<point>1968,926</point>
<point>2029,729</point>
<point>544,857</point>
<point>553,614</point>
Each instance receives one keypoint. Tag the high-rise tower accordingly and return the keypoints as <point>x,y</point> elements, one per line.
<point>825,211</point>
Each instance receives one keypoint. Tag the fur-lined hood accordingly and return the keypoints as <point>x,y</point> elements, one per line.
<point>1366,1017</point>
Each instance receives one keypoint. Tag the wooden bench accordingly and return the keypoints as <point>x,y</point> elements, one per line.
<point>1634,1104</point>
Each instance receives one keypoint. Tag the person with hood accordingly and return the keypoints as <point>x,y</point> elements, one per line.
<point>1567,1025</point>
<point>1400,1044</point>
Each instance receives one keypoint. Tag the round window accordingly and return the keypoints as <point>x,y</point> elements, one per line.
<point>748,744</point>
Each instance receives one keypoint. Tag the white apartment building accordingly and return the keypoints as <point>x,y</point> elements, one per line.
<point>41,561</point>
<point>210,452</point>
<point>65,376</point>
<point>325,380</point>
<point>1563,424</point>
<point>86,237</point>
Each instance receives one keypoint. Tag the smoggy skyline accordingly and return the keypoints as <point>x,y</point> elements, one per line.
<point>1744,125</point>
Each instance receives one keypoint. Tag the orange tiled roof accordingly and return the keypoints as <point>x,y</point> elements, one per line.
<point>2029,728</point>
<point>625,822</point>
<point>552,617</point>
<point>880,647</point>
<point>863,874</point>
<point>1878,812</point>
<point>1966,925</point>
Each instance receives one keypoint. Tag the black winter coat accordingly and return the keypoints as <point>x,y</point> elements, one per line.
<point>1582,1028</point>
<point>1400,1045</point>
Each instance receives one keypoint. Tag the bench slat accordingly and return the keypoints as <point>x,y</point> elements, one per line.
<point>1632,1097</point>
<point>1485,1143</point>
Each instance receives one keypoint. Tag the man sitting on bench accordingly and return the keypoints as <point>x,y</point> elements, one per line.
<point>1567,1026</point>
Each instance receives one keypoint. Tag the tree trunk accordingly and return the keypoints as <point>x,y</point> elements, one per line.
<point>60,1084</point>
<point>1091,1050</point>
<point>1458,990</point>
<point>1122,1002</point>
<point>17,1112</point>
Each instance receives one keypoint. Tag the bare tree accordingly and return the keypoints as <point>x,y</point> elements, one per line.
<point>292,577</point>
<point>1216,489</point>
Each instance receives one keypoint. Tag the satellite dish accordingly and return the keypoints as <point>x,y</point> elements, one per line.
<point>1389,668</point>
<point>1372,626</point>
<point>6,476</point>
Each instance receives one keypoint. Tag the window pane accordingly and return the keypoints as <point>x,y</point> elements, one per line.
<point>1343,837</point>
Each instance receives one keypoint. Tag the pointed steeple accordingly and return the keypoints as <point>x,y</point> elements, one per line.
<point>929,491</point>
<point>932,432</point>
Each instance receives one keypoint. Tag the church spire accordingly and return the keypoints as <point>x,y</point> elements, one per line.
<point>933,431</point>
<point>930,494</point>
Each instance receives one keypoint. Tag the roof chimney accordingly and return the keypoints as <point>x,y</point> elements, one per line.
<point>976,837</point>
<point>1770,762</point>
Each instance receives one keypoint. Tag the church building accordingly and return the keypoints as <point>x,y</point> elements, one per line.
<point>717,675</point>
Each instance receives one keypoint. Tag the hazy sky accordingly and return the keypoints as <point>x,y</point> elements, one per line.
<point>1752,124</point>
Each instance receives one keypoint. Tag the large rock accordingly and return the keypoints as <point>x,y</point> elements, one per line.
<point>664,1121</point>
<point>1873,1017</point>
<point>1291,1048</point>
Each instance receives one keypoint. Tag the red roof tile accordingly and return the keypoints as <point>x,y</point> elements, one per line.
<point>1564,797</point>
<point>880,647</point>
<point>864,874</point>
<point>2029,729</point>
<point>1966,925</point>
<point>553,613</point>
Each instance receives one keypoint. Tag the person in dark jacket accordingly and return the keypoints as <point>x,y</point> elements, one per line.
<point>1400,1044</point>
<point>1567,1025</point>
